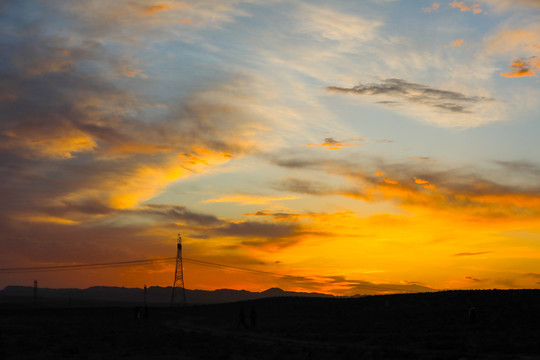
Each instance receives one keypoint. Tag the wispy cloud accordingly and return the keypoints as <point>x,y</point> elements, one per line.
<point>302,186</point>
<point>341,285</point>
<point>470,194</point>
<point>523,67</point>
<point>247,199</point>
<point>421,158</point>
<point>330,24</point>
<point>402,92</point>
<point>432,8</point>
<point>445,100</point>
<point>76,122</point>
<point>523,41</point>
<point>389,181</point>
<point>473,253</point>
<point>475,8</point>
<point>332,144</point>
<point>155,8</point>
<point>455,43</point>
<point>508,5</point>
<point>276,215</point>
<point>514,40</point>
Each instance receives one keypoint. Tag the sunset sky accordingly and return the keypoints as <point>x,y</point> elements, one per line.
<point>352,146</point>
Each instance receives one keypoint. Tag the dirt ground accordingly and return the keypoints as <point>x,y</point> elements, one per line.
<point>446,325</point>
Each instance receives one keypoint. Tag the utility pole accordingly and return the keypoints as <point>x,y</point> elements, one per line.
<point>145,289</point>
<point>179,274</point>
<point>35,291</point>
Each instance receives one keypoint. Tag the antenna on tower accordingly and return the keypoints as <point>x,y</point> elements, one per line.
<point>179,274</point>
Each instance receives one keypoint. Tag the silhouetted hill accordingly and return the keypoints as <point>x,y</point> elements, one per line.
<point>156,295</point>
<point>447,325</point>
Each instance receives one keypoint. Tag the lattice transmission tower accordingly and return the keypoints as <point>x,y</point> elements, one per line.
<point>179,274</point>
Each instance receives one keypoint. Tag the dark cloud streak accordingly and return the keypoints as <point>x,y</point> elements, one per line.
<point>473,253</point>
<point>448,101</point>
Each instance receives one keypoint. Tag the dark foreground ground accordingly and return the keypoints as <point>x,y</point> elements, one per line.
<point>444,325</point>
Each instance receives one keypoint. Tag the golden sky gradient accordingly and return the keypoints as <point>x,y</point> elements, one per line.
<point>333,147</point>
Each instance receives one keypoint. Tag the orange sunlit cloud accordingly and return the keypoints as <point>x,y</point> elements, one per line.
<point>134,73</point>
<point>45,219</point>
<point>523,67</point>
<point>147,180</point>
<point>155,8</point>
<point>388,181</point>
<point>455,43</point>
<point>475,8</point>
<point>379,173</point>
<point>49,146</point>
<point>433,7</point>
<point>464,201</point>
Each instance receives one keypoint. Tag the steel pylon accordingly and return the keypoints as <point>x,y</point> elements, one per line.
<point>179,274</point>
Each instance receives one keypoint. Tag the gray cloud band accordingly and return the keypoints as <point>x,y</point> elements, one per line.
<point>448,101</point>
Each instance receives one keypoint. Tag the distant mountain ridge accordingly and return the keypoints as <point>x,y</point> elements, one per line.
<point>156,295</point>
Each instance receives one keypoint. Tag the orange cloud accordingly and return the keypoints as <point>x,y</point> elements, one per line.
<point>155,8</point>
<point>185,21</point>
<point>455,43</point>
<point>147,180</point>
<point>420,181</point>
<point>475,8</point>
<point>55,146</point>
<point>379,173</point>
<point>134,73</point>
<point>522,67</point>
<point>433,7</point>
<point>45,219</point>
<point>388,181</point>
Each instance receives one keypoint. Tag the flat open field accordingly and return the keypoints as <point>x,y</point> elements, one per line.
<point>444,325</point>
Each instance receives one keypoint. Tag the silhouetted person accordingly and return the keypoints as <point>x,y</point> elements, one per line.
<point>253,318</point>
<point>242,319</point>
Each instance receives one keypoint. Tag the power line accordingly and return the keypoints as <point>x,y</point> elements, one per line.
<point>85,266</point>
<point>144,262</point>
<point>208,263</point>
